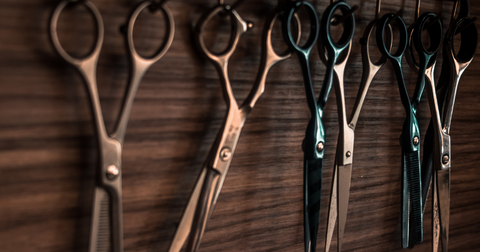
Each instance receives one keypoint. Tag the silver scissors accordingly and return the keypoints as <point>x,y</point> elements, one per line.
<point>209,184</point>
<point>344,154</point>
<point>437,153</point>
<point>106,233</point>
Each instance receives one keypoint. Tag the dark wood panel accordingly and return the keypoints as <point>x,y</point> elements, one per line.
<point>48,154</point>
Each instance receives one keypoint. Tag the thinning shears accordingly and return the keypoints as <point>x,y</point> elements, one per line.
<point>209,184</point>
<point>425,68</point>
<point>410,138</point>
<point>314,142</point>
<point>437,151</point>
<point>106,233</point>
<point>344,155</point>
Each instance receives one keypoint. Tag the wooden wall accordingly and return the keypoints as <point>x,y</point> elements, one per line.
<point>48,153</point>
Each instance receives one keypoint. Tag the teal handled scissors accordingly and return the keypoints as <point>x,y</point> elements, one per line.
<point>209,184</point>
<point>425,68</point>
<point>410,138</point>
<point>343,165</point>
<point>106,233</point>
<point>314,142</point>
<point>437,151</point>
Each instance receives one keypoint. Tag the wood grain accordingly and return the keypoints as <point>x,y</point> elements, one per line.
<point>48,154</point>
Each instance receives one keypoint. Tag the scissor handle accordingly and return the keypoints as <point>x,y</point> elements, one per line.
<point>303,52</point>
<point>92,57</point>
<point>170,25</point>
<point>220,60</point>
<point>348,26</point>
<point>313,36</point>
<point>330,51</point>
<point>365,41</point>
<point>426,55</point>
<point>469,40</point>
<point>140,64</point>
<point>269,59</point>
<point>396,58</point>
<point>382,45</point>
<point>370,69</point>
<point>458,62</point>
<point>239,27</point>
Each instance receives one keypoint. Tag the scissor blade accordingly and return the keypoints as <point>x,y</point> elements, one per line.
<point>312,196</point>
<point>435,216</point>
<point>204,209</point>
<point>185,224</point>
<point>443,185</point>
<point>332,211</point>
<point>344,181</point>
<point>412,161</point>
<point>100,227</point>
<point>405,206</point>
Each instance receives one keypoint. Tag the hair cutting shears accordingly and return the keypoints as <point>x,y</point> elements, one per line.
<point>437,151</point>
<point>209,184</point>
<point>410,138</point>
<point>425,67</point>
<point>344,155</point>
<point>107,218</point>
<point>314,142</point>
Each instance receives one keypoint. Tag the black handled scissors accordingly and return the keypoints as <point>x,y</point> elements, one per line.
<point>437,151</point>
<point>209,184</point>
<point>314,142</point>
<point>425,67</point>
<point>344,155</point>
<point>410,138</point>
<point>107,217</point>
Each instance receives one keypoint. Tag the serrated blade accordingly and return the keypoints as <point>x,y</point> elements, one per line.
<point>100,228</point>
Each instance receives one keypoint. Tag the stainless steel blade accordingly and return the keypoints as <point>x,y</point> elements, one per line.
<point>183,229</point>
<point>443,185</point>
<point>332,211</point>
<point>435,215</point>
<point>344,181</point>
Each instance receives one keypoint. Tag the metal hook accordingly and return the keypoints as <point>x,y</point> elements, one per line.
<point>379,6</point>
<point>417,10</point>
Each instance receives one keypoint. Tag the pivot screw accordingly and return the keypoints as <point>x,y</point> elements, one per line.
<point>348,154</point>
<point>112,172</point>
<point>226,154</point>
<point>320,147</point>
<point>415,141</point>
<point>249,25</point>
<point>445,159</point>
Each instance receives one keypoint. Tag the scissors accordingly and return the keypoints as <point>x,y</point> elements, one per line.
<point>425,68</point>
<point>106,231</point>
<point>410,138</point>
<point>344,154</point>
<point>437,151</point>
<point>209,184</point>
<point>314,142</point>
